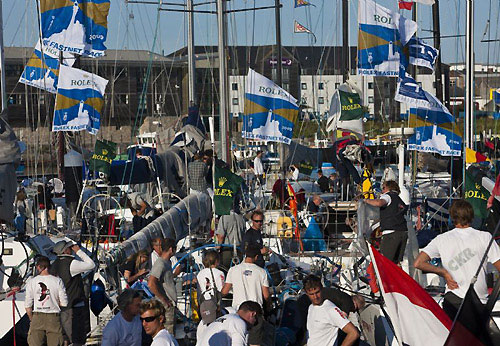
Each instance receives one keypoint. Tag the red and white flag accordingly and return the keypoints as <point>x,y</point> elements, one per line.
<point>405,5</point>
<point>416,317</point>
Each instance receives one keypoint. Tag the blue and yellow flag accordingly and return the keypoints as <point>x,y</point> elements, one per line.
<point>75,26</point>
<point>382,34</point>
<point>270,111</point>
<point>79,100</point>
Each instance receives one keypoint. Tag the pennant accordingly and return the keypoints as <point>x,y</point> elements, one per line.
<point>472,156</point>
<point>346,111</point>
<point>421,53</point>
<point>75,26</point>
<point>227,185</point>
<point>408,302</point>
<point>382,34</point>
<point>301,3</point>
<point>270,111</point>
<point>104,153</point>
<point>299,28</point>
<point>405,5</point>
<point>79,100</point>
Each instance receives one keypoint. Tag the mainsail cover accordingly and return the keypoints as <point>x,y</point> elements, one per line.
<point>192,212</point>
<point>79,100</point>
<point>270,111</point>
<point>75,26</point>
<point>382,34</point>
<point>346,110</point>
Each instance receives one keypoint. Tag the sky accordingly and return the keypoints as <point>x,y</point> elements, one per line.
<point>132,26</point>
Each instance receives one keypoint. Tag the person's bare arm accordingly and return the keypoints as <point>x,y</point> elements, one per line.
<point>352,334</point>
<point>422,263</point>
<point>375,202</point>
<point>141,211</point>
<point>497,265</point>
<point>153,286</point>
<point>29,312</point>
<point>226,288</point>
<point>131,278</point>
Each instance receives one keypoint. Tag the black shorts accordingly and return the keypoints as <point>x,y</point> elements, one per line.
<point>393,245</point>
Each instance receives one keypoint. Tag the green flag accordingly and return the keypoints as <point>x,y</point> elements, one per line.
<point>475,193</point>
<point>350,106</point>
<point>104,152</point>
<point>227,184</point>
<point>305,167</point>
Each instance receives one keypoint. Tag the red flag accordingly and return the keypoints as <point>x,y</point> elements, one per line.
<point>405,5</point>
<point>409,305</point>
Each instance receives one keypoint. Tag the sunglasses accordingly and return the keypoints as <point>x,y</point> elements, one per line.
<point>258,221</point>
<point>149,318</point>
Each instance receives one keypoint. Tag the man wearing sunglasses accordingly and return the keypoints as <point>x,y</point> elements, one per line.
<point>254,236</point>
<point>153,318</point>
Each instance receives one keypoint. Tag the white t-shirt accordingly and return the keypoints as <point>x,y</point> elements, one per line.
<point>257,166</point>
<point>205,281</point>
<point>295,174</point>
<point>119,332</point>
<point>461,251</point>
<point>323,324</point>
<point>163,338</point>
<point>247,280</point>
<point>45,293</point>
<point>227,330</point>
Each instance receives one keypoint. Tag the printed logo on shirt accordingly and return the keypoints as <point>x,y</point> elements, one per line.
<point>247,272</point>
<point>44,293</point>
<point>341,313</point>
<point>460,259</point>
<point>208,285</point>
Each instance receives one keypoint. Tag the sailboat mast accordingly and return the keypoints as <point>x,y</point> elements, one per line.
<point>345,40</point>
<point>469,76</point>
<point>278,41</point>
<point>2,61</point>
<point>223,92</point>
<point>190,49</point>
<point>437,44</point>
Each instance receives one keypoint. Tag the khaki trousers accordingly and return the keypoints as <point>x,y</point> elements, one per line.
<point>45,329</point>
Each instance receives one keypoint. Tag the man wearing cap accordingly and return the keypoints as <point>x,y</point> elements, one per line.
<point>125,328</point>
<point>75,318</point>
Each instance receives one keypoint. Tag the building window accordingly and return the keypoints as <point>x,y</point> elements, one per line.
<point>15,99</point>
<point>321,100</point>
<point>303,86</point>
<point>234,86</point>
<point>337,85</point>
<point>286,86</point>
<point>370,99</point>
<point>235,101</point>
<point>122,99</point>
<point>386,85</point>
<point>286,73</point>
<point>321,86</point>
<point>370,85</point>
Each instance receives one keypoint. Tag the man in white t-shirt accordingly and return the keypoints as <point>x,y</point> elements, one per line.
<point>325,319</point>
<point>45,295</point>
<point>461,251</point>
<point>258,168</point>
<point>152,318</point>
<point>249,282</point>
<point>125,328</point>
<point>231,329</point>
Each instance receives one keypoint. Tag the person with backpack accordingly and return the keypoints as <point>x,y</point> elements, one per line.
<point>210,283</point>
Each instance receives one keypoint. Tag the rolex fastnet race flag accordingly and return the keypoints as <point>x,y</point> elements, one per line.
<point>79,100</point>
<point>75,26</point>
<point>270,111</point>
<point>104,153</point>
<point>382,34</point>
<point>417,319</point>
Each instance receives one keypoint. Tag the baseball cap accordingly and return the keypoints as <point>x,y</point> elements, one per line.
<point>61,246</point>
<point>208,311</point>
